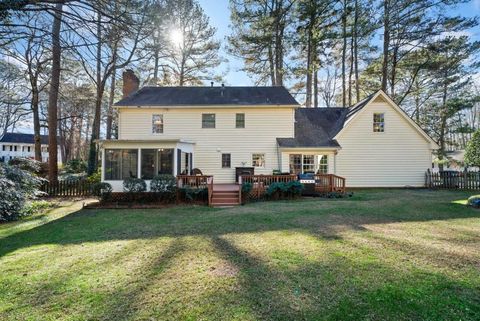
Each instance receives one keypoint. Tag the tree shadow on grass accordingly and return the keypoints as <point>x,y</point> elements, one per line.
<point>325,219</point>
<point>343,288</point>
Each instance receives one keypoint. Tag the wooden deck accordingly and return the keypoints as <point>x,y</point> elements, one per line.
<point>231,194</point>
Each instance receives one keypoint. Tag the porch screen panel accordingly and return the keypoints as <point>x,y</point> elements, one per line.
<point>148,163</point>
<point>165,161</point>
<point>129,163</point>
<point>120,163</point>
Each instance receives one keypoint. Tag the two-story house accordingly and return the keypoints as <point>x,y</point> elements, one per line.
<point>19,145</point>
<point>217,129</point>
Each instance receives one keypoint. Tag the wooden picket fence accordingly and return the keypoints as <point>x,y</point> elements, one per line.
<point>68,188</point>
<point>453,180</point>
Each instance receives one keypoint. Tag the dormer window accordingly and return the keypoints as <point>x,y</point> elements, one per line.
<point>157,124</point>
<point>378,122</point>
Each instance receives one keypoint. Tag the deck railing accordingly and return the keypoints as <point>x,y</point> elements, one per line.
<point>193,181</point>
<point>260,183</point>
<point>329,183</point>
<point>197,181</point>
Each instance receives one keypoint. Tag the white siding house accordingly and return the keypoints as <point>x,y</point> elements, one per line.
<point>171,130</point>
<point>19,145</point>
<point>398,156</point>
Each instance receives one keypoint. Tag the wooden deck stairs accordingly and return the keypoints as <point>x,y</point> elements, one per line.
<point>225,195</point>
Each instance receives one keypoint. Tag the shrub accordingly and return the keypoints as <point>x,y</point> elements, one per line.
<point>247,188</point>
<point>11,200</point>
<point>163,183</point>
<point>474,201</point>
<point>134,185</point>
<point>75,166</point>
<point>279,190</point>
<point>101,188</point>
<point>193,194</point>
<point>26,164</point>
<point>295,188</point>
<point>96,177</point>
<point>16,186</point>
<point>36,207</point>
<point>472,151</point>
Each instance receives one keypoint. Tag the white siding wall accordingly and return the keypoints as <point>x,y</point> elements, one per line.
<point>395,158</point>
<point>262,127</point>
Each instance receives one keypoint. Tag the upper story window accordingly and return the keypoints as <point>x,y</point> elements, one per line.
<point>239,120</point>
<point>378,122</point>
<point>226,160</point>
<point>157,124</point>
<point>208,120</point>
<point>11,148</point>
<point>15,148</point>
<point>258,160</point>
<point>3,147</point>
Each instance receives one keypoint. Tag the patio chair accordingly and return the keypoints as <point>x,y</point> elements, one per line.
<point>196,171</point>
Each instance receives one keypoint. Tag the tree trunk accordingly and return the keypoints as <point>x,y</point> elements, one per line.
<point>355,53</point>
<point>315,86</point>
<point>308,98</point>
<point>344,53</point>
<point>110,103</point>
<point>53,95</point>
<point>92,154</point>
<point>36,125</point>
<point>386,43</point>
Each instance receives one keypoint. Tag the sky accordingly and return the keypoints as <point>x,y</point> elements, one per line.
<point>219,14</point>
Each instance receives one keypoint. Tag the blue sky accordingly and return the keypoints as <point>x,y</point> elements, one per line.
<point>219,15</point>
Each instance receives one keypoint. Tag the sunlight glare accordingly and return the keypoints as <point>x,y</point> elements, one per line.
<point>176,37</point>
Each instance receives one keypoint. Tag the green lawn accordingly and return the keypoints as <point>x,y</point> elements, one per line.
<point>380,255</point>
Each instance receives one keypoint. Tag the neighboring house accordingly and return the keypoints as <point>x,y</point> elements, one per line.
<point>217,129</point>
<point>15,145</point>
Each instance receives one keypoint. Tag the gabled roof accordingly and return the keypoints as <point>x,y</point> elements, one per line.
<point>22,138</point>
<point>209,96</point>
<point>315,127</point>
<point>320,127</point>
<point>360,106</point>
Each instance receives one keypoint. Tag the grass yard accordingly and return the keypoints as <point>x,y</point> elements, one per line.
<point>381,255</point>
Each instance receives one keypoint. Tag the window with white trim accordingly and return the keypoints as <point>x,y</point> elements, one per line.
<point>308,165</point>
<point>239,120</point>
<point>378,122</point>
<point>157,124</point>
<point>258,160</point>
<point>226,160</point>
<point>208,120</point>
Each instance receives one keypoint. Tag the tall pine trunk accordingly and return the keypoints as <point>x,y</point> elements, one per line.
<point>92,154</point>
<point>355,53</point>
<point>344,53</point>
<point>53,95</point>
<point>386,43</point>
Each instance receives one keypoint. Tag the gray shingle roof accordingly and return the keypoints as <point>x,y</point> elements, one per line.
<point>22,138</point>
<point>209,96</point>
<point>316,127</point>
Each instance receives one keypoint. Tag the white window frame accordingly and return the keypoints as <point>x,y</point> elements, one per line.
<point>379,126</point>
<point>253,162</point>
<point>162,125</point>
<point>244,121</point>
<point>214,120</point>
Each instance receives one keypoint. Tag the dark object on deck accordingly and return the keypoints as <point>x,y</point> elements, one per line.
<point>239,171</point>
<point>196,171</point>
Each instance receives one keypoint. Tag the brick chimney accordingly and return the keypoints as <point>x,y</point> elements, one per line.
<point>131,82</point>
